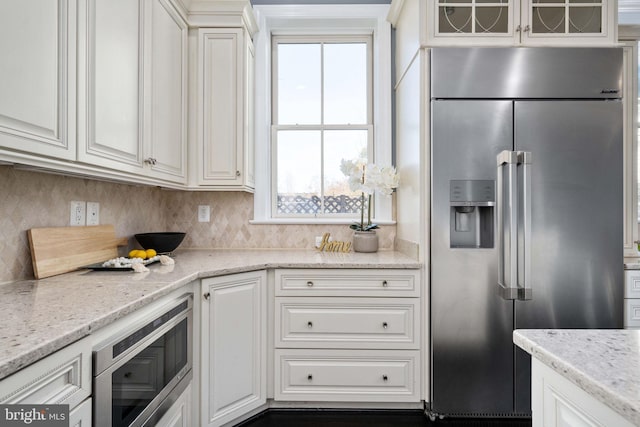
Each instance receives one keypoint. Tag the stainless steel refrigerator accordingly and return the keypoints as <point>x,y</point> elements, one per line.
<point>526,213</point>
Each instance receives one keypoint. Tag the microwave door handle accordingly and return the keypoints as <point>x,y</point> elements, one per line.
<point>525,290</point>
<point>507,218</point>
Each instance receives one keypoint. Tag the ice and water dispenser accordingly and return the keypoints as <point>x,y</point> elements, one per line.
<point>472,206</point>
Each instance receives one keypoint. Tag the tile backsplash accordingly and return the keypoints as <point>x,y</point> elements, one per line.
<point>30,199</point>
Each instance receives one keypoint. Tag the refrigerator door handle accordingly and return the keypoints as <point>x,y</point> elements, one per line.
<point>525,291</point>
<point>507,218</point>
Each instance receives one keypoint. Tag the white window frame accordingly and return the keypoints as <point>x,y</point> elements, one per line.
<point>320,20</point>
<point>321,127</point>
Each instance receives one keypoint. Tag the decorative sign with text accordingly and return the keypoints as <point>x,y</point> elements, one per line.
<point>328,245</point>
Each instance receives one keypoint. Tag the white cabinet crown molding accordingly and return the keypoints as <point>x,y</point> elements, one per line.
<point>222,13</point>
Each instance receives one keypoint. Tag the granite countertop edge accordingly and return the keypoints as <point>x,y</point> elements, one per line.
<point>600,391</point>
<point>15,356</point>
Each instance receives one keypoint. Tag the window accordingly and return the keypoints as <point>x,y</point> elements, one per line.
<point>321,114</point>
<point>323,94</point>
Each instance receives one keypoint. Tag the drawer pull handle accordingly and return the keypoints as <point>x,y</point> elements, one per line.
<point>384,284</point>
<point>309,325</point>
<point>309,377</point>
<point>309,283</point>
<point>385,378</point>
<point>385,325</point>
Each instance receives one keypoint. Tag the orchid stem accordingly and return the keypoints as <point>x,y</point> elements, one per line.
<point>369,210</point>
<point>362,212</point>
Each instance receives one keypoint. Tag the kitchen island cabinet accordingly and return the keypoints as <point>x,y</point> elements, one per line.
<point>583,377</point>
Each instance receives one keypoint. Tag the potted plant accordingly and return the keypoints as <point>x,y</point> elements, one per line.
<point>368,178</point>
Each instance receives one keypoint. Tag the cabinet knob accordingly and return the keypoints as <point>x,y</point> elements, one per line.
<point>150,161</point>
<point>384,325</point>
<point>237,173</point>
<point>518,28</point>
<point>207,295</point>
<point>384,284</point>
<point>385,378</point>
<point>309,325</point>
<point>527,28</point>
<point>309,283</point>
<point>309,377</point>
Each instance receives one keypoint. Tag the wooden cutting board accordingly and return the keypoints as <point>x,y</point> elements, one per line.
<point>57,250</point>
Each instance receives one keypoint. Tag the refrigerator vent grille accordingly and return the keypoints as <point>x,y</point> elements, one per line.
<point>486,415</point>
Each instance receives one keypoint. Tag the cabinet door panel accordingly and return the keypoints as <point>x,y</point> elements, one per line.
<point>166,141</point>
<point>109,84</point>
<point>220,120</point>
<point>37,97</point>
<point>234,346</point>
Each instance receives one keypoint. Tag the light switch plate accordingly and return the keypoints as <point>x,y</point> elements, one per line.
<point>93,213</point>
<point>204,213</point>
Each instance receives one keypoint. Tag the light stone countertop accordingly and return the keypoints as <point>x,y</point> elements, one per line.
<point>39,317</point>
<point>604,363</point>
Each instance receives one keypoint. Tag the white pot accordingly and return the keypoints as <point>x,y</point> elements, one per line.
<point>365,241</point>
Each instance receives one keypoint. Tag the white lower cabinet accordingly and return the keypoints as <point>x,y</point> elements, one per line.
<point>179,415</point>
<point>347,375</point>
<point>557,402</point>
<point>80,416</point>
<point>347,335</point>
<point>62,378</point>
<point>233,354</point>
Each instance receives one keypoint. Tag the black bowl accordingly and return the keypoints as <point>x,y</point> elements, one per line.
<point>161,242</point>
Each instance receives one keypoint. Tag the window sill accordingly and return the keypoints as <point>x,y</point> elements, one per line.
<point>311,221</point>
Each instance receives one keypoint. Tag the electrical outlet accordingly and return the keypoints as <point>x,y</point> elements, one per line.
<point>93,213</point>
<point>77,215</point>
<point>204,213</point>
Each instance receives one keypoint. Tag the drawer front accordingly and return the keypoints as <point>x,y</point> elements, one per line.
<point>347,322</point>
<point>348,282</point>
<point>632,284</point>
<point>632,313</point>
<point>61,378</point>
<point>355,376</point>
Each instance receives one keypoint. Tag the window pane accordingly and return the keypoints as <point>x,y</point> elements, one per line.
<point>338,145</point>
<point>298,172</point>
<point>345,83</point>
<point>298,84</point>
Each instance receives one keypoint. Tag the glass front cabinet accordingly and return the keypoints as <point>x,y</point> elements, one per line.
<point>521,22</point>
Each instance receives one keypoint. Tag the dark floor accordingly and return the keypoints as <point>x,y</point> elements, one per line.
<point>321,418</point>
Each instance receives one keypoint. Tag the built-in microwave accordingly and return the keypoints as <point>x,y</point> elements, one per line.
<point>139,374</point>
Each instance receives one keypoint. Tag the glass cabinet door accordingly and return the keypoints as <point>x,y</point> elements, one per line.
<point>473,17</point>
<point>521,22</point>
<point>566,17</point>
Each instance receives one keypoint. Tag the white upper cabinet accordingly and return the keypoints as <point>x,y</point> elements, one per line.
<point>109,84</point>
<point>37,91</point>
<point>165,136</point>
<point>132,87</point>
<point>225,109</point>
<point>520,22</point>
